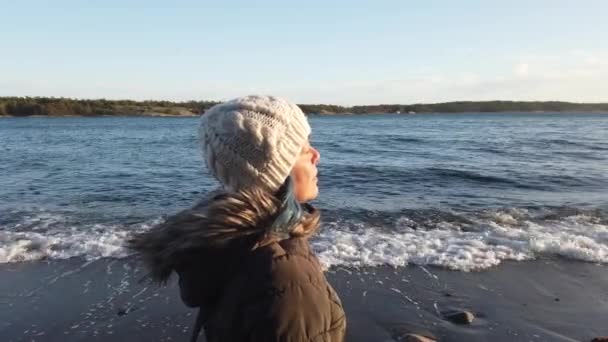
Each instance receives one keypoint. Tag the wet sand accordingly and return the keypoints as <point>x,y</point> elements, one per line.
<point>103,300</point>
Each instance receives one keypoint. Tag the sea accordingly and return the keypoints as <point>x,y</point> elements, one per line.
<point>461,191</point>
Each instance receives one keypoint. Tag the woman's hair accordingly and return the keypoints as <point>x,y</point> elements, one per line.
<point>222,221</point>
<point>254,212</point>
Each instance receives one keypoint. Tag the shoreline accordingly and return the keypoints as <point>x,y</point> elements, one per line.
<point>157,115</point>
<point>104,300</point>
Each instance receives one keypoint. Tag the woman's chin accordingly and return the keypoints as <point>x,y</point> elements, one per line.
<point>309,195</point>
<point>314,193</point>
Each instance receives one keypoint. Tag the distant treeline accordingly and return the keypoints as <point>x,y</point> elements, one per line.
<point>28,106</point>
<point>44,106</point>
<point>462,107</point>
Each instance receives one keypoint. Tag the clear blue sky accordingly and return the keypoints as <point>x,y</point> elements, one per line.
<point>343,52</point>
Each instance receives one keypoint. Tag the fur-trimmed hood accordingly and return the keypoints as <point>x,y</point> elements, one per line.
<point>217,225</point>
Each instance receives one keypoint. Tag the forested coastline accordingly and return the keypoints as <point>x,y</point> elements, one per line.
<point>48,106</point>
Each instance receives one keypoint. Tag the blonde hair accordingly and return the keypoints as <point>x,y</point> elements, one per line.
<point>216,222</point>
<point>251,212</point>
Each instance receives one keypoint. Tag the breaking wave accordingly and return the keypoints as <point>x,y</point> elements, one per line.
<point>458,241</point>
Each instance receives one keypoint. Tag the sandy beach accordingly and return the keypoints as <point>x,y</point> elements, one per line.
<point>104,300</point>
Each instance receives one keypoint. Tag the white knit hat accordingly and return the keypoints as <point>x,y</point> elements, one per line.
<point>253,141</point>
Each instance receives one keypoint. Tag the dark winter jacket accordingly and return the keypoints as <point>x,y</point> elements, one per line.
<point>246,291</point>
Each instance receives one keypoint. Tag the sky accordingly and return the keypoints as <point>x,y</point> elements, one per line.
<point>339,52</point>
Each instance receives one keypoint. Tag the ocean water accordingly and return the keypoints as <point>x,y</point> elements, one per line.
<point>461,191</point>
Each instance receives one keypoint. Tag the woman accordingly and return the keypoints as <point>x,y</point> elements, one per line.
<point>242,254</point>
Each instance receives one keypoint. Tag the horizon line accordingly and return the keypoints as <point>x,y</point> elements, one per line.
<point>309,104</point>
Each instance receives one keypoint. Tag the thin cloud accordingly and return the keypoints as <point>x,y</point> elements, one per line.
<point>522,69</point>
<point>572,76</point>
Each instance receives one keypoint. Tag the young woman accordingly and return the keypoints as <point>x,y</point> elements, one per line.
<point>242,254</point>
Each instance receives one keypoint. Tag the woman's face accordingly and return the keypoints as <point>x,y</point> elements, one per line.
<point>304,174</point>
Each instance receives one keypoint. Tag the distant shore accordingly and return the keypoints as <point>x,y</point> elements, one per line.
<point>65,107</point>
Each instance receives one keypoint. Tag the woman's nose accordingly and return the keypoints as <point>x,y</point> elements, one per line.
<point>316,156</point>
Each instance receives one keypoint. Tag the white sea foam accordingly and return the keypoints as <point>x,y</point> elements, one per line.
<point>22,246</point>
<point>485,240</point>
<point>502,236</point>
<point>52,236</point>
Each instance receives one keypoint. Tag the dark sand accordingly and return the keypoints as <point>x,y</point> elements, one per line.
<point>543,300</point>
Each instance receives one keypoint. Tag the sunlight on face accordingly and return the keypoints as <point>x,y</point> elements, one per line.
<point>304,174</point>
